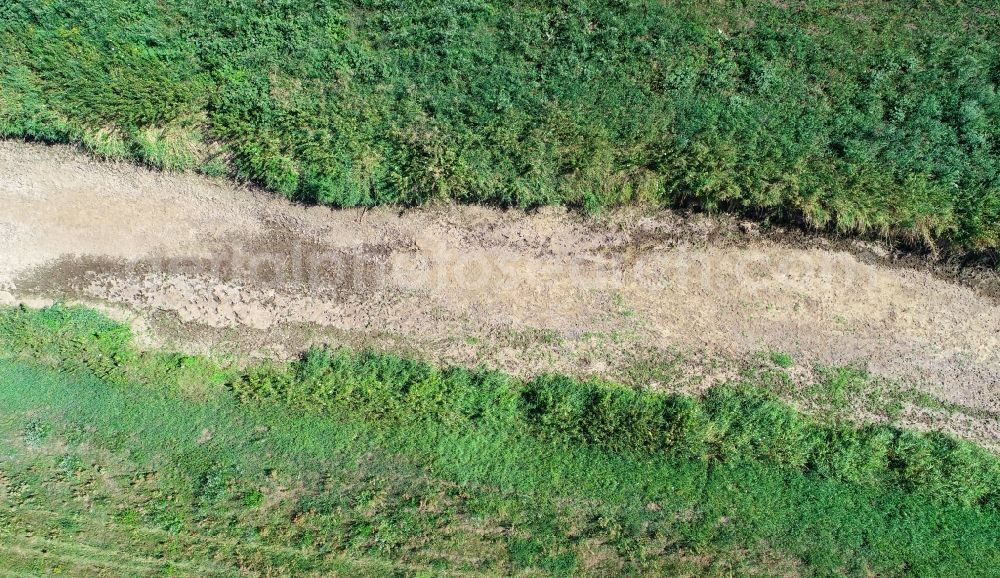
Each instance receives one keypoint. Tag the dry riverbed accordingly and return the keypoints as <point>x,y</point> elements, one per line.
<point>202,265</point>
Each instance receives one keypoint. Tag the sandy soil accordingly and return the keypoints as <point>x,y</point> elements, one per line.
<point>201,264</point>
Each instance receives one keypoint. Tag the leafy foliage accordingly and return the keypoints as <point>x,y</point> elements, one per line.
<point>864,116</point>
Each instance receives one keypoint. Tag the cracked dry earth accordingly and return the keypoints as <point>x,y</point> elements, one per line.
<point>202,265</point>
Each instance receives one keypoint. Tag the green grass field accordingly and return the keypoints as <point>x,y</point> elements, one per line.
<point>124,462</point>
<point>863,116</point>
<point>869,117</point>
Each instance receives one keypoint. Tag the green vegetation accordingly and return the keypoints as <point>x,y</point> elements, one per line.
<point>362,464</point>
<point>875,116</point>
<point>782,360</point>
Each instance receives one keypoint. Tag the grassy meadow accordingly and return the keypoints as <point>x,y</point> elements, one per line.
<point>117,461</point>
<point>861,116</point>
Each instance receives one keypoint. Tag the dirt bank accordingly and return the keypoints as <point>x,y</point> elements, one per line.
<point>205,264</point>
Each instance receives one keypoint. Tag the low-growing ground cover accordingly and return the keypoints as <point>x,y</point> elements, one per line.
<point>865,116</point>
<point>362,463</point>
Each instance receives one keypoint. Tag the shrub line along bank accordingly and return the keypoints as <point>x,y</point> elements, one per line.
<point>731,424</point>
<point>880,117</point>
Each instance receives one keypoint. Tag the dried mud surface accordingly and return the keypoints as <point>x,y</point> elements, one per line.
<point>203,265</point>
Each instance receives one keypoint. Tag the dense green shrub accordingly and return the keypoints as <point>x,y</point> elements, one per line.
<point>856,455</point>
<point>874,116</point>
<point>730,424</point>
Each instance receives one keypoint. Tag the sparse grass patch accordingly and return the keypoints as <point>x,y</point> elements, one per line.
<point>655,369</point>
<point>170,148</point>
<point>107,143</point>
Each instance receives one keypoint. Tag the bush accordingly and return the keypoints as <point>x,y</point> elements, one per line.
<point>748,423</point>
<point>731,424</point>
